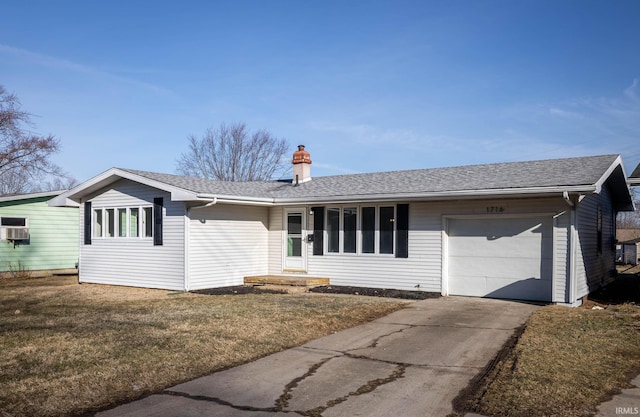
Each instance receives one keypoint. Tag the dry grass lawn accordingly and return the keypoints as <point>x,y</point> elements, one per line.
<point>70,349</point>
<point>567,361</point>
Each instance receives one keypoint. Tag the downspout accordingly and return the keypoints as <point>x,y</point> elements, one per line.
<point>209,204</point>
<point>572,249</point>
<point>186,234</point>
<point>565,195</point>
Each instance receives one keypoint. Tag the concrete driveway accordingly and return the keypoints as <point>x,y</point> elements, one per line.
<point>413,362</point>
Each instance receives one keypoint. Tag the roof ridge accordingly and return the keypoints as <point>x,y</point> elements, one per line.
<point>510,163</point>
<point>142,172</point>
<point>476,165</point>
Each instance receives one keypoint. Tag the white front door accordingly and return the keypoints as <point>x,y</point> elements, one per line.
<point>295,249</point>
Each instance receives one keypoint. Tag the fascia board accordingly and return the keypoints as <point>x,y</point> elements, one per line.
<point>234,199</point>
<point>112,175</point>
<point>617,162</point>
<point>445,195</point>
<point>61,201</point>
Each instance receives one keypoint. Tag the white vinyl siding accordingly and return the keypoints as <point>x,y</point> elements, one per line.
<point>135,262</point>
<point>227,243</point>
<point>561,262</point>
<point>423,269</point>
<point>594,268</point>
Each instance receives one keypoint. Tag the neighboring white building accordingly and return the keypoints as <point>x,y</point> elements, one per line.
<point>628,242</point>
<point>539,230</point>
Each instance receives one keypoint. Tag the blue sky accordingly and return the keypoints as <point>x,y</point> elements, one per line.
<point>366,86</point>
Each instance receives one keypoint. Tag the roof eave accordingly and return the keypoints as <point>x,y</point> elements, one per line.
<point>619,185</point>
<point>444,195</point>
<point>19,197</point>
<point>236,199</point>
<point>75,195</point>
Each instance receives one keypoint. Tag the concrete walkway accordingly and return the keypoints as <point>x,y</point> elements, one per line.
<point>627,403</point>
<point>412,362</point>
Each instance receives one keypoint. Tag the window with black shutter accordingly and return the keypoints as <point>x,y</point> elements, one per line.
<point>157,221</point>
<point>87,222</point>
<point>318,230</point>
<point>402,231</point>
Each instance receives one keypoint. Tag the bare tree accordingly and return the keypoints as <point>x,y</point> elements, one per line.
<point>629,219</point>
<point>58,183</point>
<point>232,153</point>
<point>24,156</point>
<point>12,182</point>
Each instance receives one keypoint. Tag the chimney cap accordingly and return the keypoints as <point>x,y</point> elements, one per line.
<point>301,156</point>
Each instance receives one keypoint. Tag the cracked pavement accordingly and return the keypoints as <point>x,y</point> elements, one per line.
<point>412,362</point>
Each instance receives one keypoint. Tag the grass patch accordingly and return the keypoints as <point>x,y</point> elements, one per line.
<point>566,362</point>
<point>70,349</point>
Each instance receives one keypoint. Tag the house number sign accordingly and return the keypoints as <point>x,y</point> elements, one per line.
<point>495,209</point>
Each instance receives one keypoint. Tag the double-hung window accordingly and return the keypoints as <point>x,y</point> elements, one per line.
<point>342,229</point>
<point>360,230</point>
<point>378,229</point>
<point>123,222</point>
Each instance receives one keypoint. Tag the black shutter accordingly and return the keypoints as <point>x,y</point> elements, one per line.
<point>157,221</point>
<point>87,223</point>
<point>318,230</point>
<point>402,231</point>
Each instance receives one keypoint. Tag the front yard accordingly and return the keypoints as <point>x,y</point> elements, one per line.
<point>568,360</point>
<point>70,349</point>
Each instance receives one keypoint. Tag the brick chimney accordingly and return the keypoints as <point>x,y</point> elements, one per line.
<point>301,165</point>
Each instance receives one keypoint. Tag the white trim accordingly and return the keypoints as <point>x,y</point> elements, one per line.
<point>617,162</point>
<point>445,238</point>
<point>443,195</point>
<point>187,238</point>
<point>572,257</point>
<point>26,221</point>
<point>554,259</point>
<point>141,222</point>
<point>115,174</point>
<point>444,233</point>
<point>284,242</point>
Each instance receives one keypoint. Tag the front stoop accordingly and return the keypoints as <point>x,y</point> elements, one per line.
<point>307,282</point>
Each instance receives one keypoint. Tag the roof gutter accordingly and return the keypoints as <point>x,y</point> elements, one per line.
<point>254,201</point>
<point>445,195</point>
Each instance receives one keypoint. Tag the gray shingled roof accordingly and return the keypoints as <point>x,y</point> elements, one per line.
<point>567,172</point>
<point>204,186</point>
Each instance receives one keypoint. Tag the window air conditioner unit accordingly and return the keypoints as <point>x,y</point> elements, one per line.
<point>17,233</point>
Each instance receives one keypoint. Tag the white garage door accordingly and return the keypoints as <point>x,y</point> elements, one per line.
<point>501,258</point>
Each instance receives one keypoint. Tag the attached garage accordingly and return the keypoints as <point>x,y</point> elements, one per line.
<point>500,258</point>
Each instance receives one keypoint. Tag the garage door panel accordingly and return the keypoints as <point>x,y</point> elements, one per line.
<point>501,258</point>
<point>497,267</point>
<point>517,247</point>
<point>508,227</point>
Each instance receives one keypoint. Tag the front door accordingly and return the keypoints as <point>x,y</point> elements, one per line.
<point>295,250</point>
